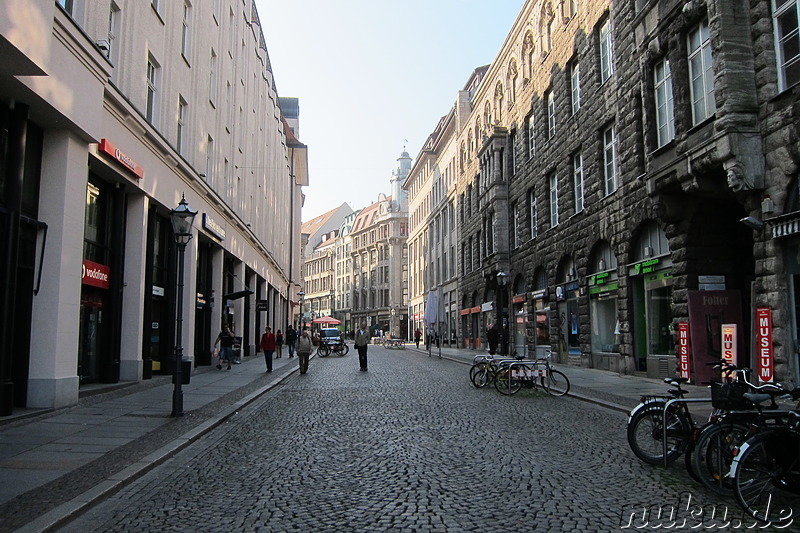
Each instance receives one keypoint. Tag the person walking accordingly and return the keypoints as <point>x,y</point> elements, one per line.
<point>268,346</point>
<point>278,344</point>
<point>225,340</point>
<point>493,337</point>
<point>417,336</point>
<point>291,339</point>
<point>361,343</point>
<point>304,348</point>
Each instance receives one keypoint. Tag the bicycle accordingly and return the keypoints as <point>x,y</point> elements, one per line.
<point>766,473</point>
<point>340,348</point>
<point>394,344</point>
<point>715,448</point>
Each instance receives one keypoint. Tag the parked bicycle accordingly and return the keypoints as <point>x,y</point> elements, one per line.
<point>339,348</point>
<point>766,473</point>
<point>394,344</point>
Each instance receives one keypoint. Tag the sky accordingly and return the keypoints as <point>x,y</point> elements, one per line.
<point>373,78</point>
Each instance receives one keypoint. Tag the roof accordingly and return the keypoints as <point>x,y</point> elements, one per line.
<point>367,216</point>
<point>311,226</point>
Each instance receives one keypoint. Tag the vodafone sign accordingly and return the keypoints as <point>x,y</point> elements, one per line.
<point>95,274</point>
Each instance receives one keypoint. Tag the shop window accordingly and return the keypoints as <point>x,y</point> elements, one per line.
<point>603,284</point>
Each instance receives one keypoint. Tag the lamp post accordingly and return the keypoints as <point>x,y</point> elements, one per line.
<point>502,281</point>
<point>182,218</point>
<point>391,324</point>
<point>333,300</point>
<point>301,294</point>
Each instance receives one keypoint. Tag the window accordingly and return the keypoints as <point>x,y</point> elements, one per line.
<point>553,185</point>
<point>68,5</point>
<point>531,136</point>
<point>209,159</point>
<point>152,91</point>
<point>609,161</point>
<point>513,140</point>
<point>551,115</point>
<point>515,241</point>
<point>701,76</point>
<point>114,15</point>
<point>532,213</point>
<point>182,105</point>
<point>606,52</point>
<point>212,79</point>
<point>185,30</point>
<point>786,14</point>
<point>665,117</point>
<point>577,181</point>
<point>570,8</point>
<point>575,86</point>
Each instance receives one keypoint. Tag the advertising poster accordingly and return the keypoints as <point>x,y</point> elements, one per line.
<point>708,311</point>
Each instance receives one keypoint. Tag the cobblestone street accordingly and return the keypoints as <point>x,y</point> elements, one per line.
<point>409,445</point>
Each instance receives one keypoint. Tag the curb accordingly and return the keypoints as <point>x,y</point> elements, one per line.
<point>63,513</point>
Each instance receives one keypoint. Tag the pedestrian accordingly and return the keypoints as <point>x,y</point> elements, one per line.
<point>362,341</point>
<point>225,340</point>
<point>417,336</point>
<point>291,338</point>
<point>493,337</point>
<point>279,344</point>
<point>267,344</point>
<point>304,348</point>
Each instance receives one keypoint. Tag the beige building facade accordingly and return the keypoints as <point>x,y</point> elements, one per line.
<point>111,115</point>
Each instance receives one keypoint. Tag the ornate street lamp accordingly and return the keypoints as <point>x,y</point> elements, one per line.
<point>182,218</point>
<point>301,294</point>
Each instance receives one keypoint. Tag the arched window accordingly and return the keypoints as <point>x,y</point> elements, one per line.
<point>511,81</point>
<point>652,242</point>
<point>498,103</point>
<point>547,24</point>
<point>527,56</point>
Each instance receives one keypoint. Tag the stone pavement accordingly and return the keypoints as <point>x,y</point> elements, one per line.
<point>54,464</point>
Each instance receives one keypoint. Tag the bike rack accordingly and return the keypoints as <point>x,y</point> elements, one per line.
<point>664,419</point>
<point>532,364</point>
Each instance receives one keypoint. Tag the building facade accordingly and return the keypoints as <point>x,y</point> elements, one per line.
<point>109,117</point>
<point>627,185</point>
<point>380,261</point>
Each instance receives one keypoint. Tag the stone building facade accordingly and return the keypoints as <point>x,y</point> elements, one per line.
<point>627,186</point>
<point>380,260</point>
<point>110,115</point>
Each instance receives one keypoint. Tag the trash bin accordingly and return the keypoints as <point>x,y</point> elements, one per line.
<point>186,373</point>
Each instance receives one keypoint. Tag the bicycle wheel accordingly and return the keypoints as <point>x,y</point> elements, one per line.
<point>713,455</point>
<point>505,383</point>
<point>324,350</point>
<point>555,383</point>
<point>344,350</point>
<point>480,374</point>
<point>646,434</point>
<point>767,479</point>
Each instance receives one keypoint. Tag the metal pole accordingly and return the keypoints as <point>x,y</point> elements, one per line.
<point>177,393</point>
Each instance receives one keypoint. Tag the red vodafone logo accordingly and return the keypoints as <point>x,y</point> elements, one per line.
<point>95,274</point>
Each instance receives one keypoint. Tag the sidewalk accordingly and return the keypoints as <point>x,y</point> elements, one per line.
<point>73,456</point>
<point>609,389</point>
<point>55,463</point>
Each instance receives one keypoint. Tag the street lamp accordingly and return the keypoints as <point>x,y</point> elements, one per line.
<point>502,281</point>
<point>333,300</point>
<point>182,218</point>
<point>301,294</point>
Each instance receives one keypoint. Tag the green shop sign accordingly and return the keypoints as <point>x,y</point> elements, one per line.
<point>645,267</point>
<point>599,278</point>
<point>604,288</point>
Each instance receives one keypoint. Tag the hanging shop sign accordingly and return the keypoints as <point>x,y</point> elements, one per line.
<point>262,305</point>
<point>539,295</point>
<point>95,274</point>
<point>684,368</point>
<point>213,227</point>
<point>120,158</point>
<point>487,306</point>
<point>729,344</point>
<point>200,301</point>
<point>518,299</point>
<point>764,344</point>
<point>645,267</point>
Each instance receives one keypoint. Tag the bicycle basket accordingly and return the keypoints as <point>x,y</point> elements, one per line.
<point>729,396</point>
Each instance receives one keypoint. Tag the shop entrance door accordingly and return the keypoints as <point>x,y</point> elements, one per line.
<point>91,342</point>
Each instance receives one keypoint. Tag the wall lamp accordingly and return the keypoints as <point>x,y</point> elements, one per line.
<point>753,223</point>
